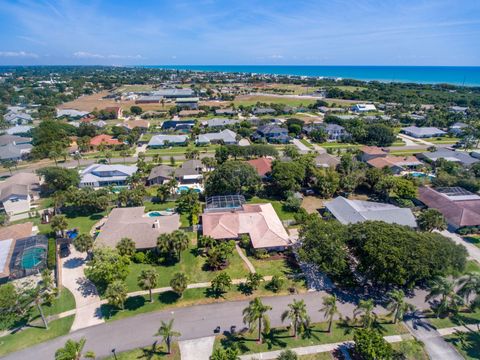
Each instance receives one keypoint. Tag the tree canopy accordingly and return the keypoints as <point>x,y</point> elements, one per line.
<point>233,177</point>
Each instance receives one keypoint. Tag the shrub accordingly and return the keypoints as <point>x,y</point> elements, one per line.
<point>51,255</point>
<point>275,284</point>
<point>139,257</point>
<point>261,254</point>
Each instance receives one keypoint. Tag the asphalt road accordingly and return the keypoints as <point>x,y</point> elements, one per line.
<point>192,322</point>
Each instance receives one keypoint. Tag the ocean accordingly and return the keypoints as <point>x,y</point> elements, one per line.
<point>455,75</point>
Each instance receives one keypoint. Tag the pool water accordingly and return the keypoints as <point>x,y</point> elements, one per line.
<point>32,257</point>
<point>186,188</point>
<point>72,234</point>
<point>154,214</point>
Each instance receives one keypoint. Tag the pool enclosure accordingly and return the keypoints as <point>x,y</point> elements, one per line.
<point>29,256</point>
<point>224,202</point>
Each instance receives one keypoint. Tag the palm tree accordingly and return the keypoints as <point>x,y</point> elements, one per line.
<point>449,299</point>
<point>470,285</point>
<point>84,243</point>
<point>173,244</point>
<point>257,312</point>
<point>59,223</point>
<point>147,280</point>
<point>365,310</point>
<point>179,283</point>
<point>116,294</point>
<point>167,333</point>
<point>297,313</point>
<point>398,306</point>
<point>330,309</point>
<point>73,351</point>
<point>77,156</point>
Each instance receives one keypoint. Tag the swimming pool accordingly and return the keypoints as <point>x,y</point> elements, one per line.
<point>72,234</point>
<point>186,188</point>
<point>421,175</point>
<point>32,257</point>
<point>166,212</point>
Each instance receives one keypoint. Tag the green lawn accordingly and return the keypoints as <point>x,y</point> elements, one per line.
<point>281,338</point>
<point>472,266</point>
<point>150,206</point>
<point>405,152</point>
<point>455,320</point>
<point>62,303</point>
<point>306,143</point>
<point>252,100</point>
<point>468,344</point>
<point>443,140</point>
<point>190,264</point>
<point>411,349</point>
<point>319,356</point>
<point>339,145</point>
<point>473,239</point>
<point>277,205</point>
<point>148,353</point>
<point>34,335</point>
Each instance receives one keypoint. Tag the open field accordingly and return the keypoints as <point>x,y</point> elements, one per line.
<point>139,87</point>
<point>248,100</point>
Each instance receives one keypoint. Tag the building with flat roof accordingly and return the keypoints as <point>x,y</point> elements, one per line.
<point>354,211</point>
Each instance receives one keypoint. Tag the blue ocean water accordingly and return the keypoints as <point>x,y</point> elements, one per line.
<point>456,75</point>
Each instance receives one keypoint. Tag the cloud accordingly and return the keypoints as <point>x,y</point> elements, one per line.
<point>89,55</point>
<point>18,54</point>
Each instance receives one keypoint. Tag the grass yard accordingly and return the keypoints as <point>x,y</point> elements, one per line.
<point>150,353</point>
<point>280,338</point>
<point>64,302</point>
<point>473,239</point>
<point>444,140</point>
<point>411,350</point>
<point>306,143</point>
<point>249,100</point>
<point>169,300</point>
<point>34,335</point>
<point>337,145</point>
<point>405,152</point>
<point>472,266</point>
<point>191,264</point>
<point>462,318</point>
<point>468,344</point>
<point>319,356</point>
<point>277,205</point>
<point>83,223</point>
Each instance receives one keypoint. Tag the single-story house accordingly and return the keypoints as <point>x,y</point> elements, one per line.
<point>458,109</point>
<point>71,113</point>
<point>99,175</point>
<point>456,156</point>
<point>178,125</point>
<point>457,128</point>
<point>272,133</point>
<point>142,125</point>
<point>262,165</point>
<point>148,99</point>
<point>167,140</point>
<point>326,160</point>
<point>371,152</point>
<point>354,211</point>
<point>17,118</point>
<point>104,140</point>
<point>259,221</point>
<point>224,137</point>
<point>172,93</point>
<point>18,191</point>
<point>423,132</point>
<point>396,164</point>
<point>227,112</point>
<point>363,108</point>
<point>187,103</point>
<point>219,122</point>
<point>263,111</point>
<point>161,174</point>
<point>459,207</point>
<point>15,152</point>
<point>135,224</point>
<point>334,132</point>
<point>18,129</point>
<point>14,140</point>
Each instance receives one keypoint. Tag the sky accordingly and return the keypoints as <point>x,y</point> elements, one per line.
<point>240,32</point>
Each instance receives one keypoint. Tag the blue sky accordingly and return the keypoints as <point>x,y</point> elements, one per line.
<point>334,32</point>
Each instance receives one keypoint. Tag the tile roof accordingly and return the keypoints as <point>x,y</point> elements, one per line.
<point>260,221</point>
<point>391,161</point>
<point>372,150</point>
<point>263,165</point>
<point>104,139</point>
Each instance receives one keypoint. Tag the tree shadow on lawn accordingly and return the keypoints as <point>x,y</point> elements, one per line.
<point>131,304</point>
<point>153,351</point>
<point>469,342</point>
<point>168,297</point>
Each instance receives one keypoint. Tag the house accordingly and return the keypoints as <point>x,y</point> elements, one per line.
<point>326,160</point>
<point>334,132</point>
<point>262,165</point>
<point>263,111</point>
<point>326,110</point>
<point>227,137</point>
<point>187,103</point>
<point>219,122</point>
<point>190,113</point>
<point>396,164</point>
<point>458,109</point>
<point>103,140</point>
<point>18,129</point>
<point>18,191</point>
<point>459,207</point>
<point>423,132</point>
<point>148,99</point>
<point>362,108</point>
<point>458,128</point>
<point>371,152</point>
<point>116,110</point>
<point>133,223</point>
<point>190,173</point>
<point>142,125</point>
<point>354,211</point>
<point>178,125</point>
<point>71,113</point>
<point>163,140</point>
<point>14,240</point>
<point>259,221</point>
<point>13,147</point>
<point>99,175</point>
<point>450,155</point>
<point>161,174</point>
<point>17,118</point>
<point>226,112</point>
<point>272,133</point>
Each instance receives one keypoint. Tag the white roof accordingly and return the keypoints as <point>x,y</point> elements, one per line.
<point>159,140</point>
<point>228,136</point>
<point>71,113</point>
<point>19,129</point>
<point>119,172</point>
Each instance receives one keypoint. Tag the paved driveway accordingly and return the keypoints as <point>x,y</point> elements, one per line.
<point>473,251</point>
<point>301,146</point>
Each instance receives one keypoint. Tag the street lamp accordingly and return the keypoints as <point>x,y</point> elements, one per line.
<point>114,354</point>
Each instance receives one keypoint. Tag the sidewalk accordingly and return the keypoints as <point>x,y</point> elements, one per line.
<point>247,262</point>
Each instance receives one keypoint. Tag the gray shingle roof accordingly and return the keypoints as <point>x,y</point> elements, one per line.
<point>450,155</point>
<point>227,136</point>
<point>161,140</point>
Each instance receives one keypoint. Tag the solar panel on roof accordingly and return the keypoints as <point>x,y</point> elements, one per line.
<point>453,191</point>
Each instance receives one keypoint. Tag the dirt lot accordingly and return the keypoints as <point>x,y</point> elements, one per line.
<point>312,204</point>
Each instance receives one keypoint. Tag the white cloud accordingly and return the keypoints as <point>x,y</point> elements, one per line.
<point>88,55</point>
<point>18,54</point>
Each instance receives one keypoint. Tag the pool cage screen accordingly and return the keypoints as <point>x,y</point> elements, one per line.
<point>29,256</point>
<point>224,202</point>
